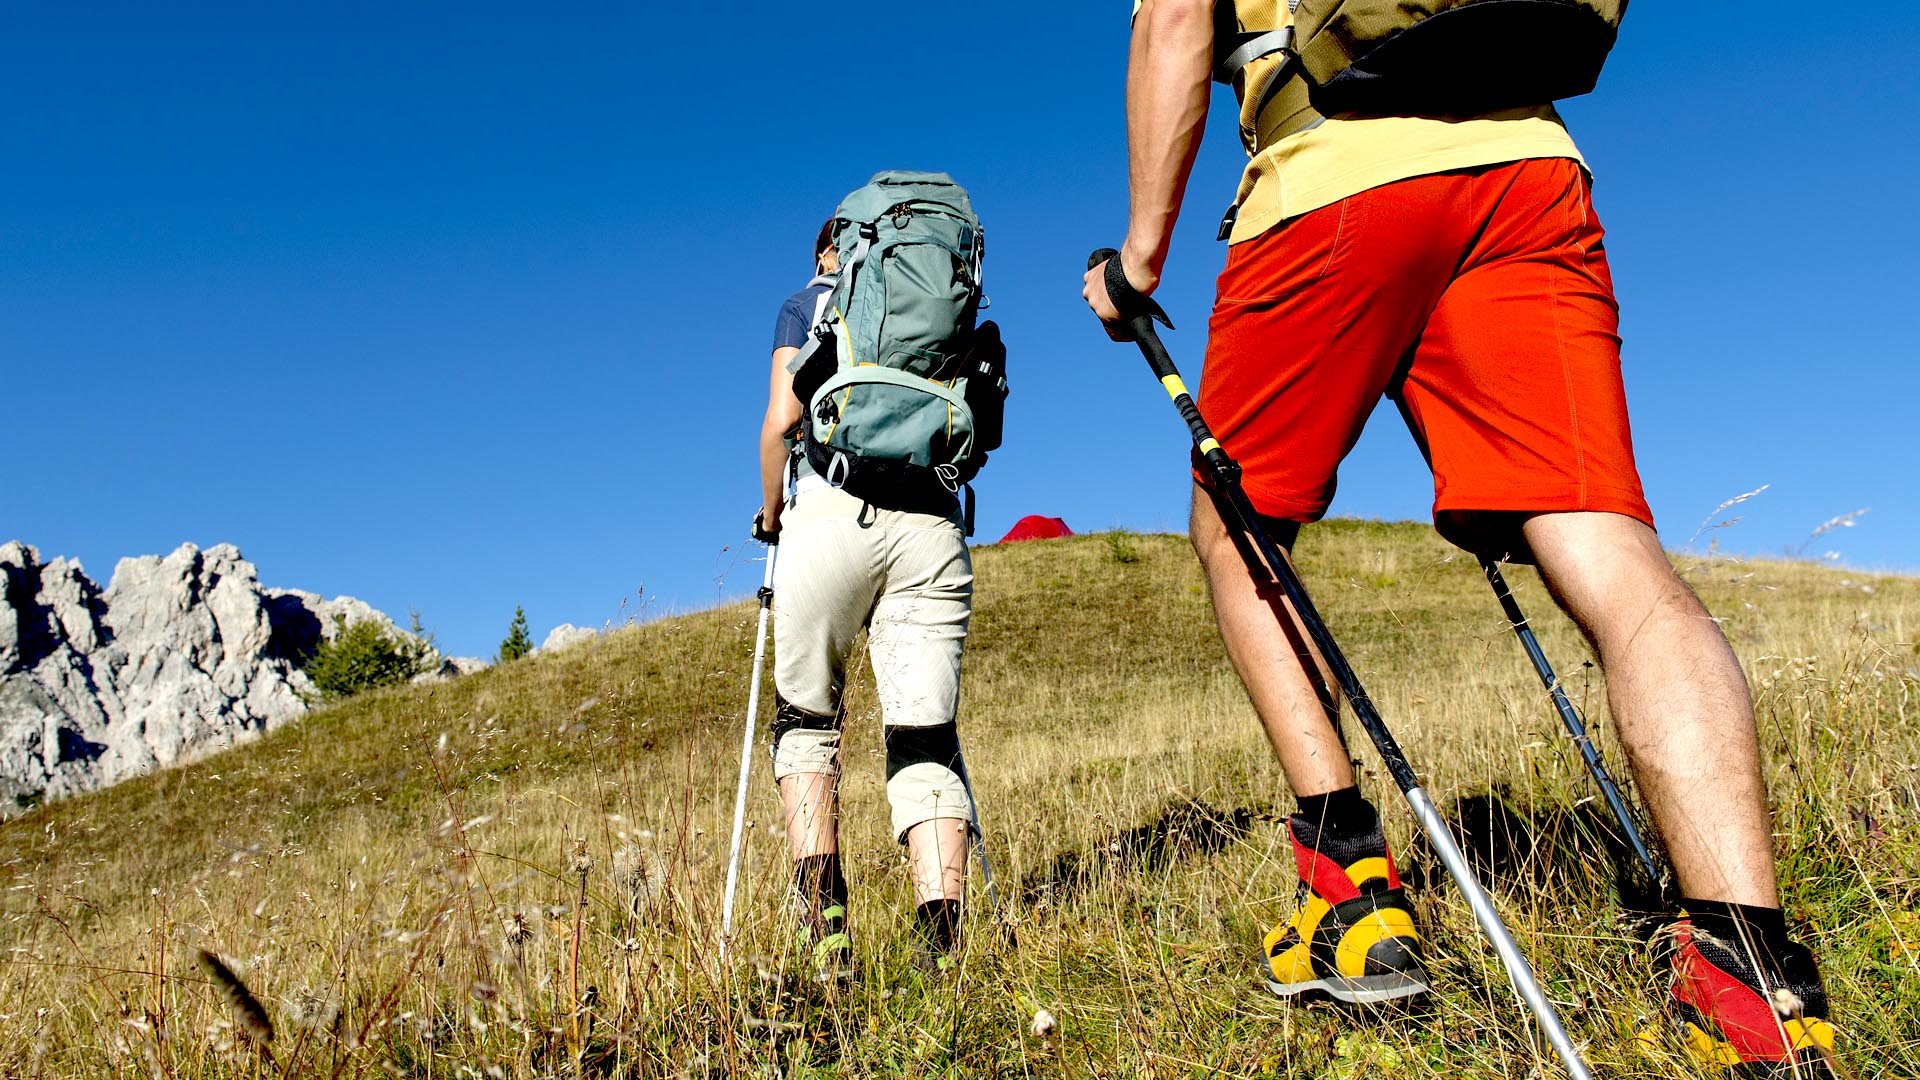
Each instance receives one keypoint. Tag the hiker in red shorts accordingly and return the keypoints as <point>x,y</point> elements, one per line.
<point>1456,264</point>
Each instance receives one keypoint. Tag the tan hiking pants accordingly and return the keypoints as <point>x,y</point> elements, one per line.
<point>908,579</point>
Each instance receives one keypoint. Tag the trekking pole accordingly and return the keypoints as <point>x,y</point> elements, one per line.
<point>746,751</point>
<point>1568,716</point>
<point>980,848</point>
<point>1226,475</point>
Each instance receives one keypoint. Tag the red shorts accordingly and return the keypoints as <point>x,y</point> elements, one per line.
<point>1483,296</point>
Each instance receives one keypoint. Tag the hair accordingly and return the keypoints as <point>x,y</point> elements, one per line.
<point>824,241</point>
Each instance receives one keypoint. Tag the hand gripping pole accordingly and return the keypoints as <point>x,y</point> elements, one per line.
<point>746,755</point>
<point>1226,476</point>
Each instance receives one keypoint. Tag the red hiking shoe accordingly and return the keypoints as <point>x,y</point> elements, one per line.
<point>1733,1012</point>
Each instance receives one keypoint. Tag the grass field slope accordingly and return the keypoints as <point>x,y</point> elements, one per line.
<point>518,873</point>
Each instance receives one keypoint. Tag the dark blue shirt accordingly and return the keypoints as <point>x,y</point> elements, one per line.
<point>795,325</point>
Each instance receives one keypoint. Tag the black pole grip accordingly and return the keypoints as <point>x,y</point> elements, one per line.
<point>1134,306</point>
<point>762,535</point>
<point>1143,332</point>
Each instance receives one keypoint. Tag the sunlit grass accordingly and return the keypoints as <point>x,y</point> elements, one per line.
<point>538,893</point>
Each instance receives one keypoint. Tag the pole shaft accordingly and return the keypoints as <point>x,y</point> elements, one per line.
<point>746,754</point>
<point>1569,717</point>
<point>1227,478</point>
<point>980,841</point>
<point>1518,973</point>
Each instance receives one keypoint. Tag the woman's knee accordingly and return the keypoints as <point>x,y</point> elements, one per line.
<point>803,742</point>
<point>926,777</point>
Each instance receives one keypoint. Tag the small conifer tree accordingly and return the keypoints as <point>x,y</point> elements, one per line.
<point>365,656</point>
<point>517,643</point>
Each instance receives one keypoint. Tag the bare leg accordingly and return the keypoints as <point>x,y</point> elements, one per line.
<point>812,803</point>
<point>1678,697</point>
<point>937,858</point>
<point>1269,649</point>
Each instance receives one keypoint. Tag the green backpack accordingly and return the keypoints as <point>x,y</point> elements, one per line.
<point>1416,57</point>
<point>903,394</point>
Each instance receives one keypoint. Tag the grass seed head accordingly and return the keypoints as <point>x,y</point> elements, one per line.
<point>247,1010</point>
<point>516,929</point>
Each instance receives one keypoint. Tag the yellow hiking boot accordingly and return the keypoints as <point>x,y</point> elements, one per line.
<point>1352,937</point>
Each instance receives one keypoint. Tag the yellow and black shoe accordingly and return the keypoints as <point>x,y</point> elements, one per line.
<point>936,938</point>
<point>820,909</point>
<point>830,948</point>
<point>1352,937</point>
<point>1764,1021</point>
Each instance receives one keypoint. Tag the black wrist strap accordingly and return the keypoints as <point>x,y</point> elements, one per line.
<point>1129,301</point>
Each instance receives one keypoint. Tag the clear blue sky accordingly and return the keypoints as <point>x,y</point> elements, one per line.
<point>455,307</point>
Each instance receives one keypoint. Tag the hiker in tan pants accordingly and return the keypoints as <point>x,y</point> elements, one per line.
<point>905,576</point>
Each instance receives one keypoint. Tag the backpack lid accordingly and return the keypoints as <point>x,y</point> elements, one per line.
<point>891,187</point>
<point>910,176</point>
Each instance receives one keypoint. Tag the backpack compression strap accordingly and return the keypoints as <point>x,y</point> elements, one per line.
<point>1285,80</point>
<point>1250,49</point>
<point>824,309</point>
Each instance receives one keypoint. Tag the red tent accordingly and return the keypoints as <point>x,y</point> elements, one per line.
<point>1035,527</point>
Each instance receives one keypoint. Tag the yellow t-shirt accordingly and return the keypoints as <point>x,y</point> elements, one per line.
<point>1324,164</point>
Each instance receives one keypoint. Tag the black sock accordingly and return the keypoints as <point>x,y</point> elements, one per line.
<point>1340,815</point>
<point>1739,924</point>
<point>820,885</point>
<point>937,924</point>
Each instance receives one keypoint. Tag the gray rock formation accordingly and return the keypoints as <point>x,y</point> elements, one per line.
<point>564,635</point>
<point>179,657</point>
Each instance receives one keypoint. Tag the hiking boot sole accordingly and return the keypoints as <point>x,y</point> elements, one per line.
<point>1365,990</point>
<point>837,974</point>
<point>1706,1049</point>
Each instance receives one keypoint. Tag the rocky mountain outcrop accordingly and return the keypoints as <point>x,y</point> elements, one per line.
<point>564,635</point>
<point>180,656</point>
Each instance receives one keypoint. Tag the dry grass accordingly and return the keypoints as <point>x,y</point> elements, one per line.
<point>518,874</point>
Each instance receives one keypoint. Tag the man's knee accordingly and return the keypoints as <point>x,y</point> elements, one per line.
<point>1609,573</point>
<point>1222,547</point>
<point>1204,530</point>
<point>1207,532</point>
<point>804,742</point>
<point>925,776</point>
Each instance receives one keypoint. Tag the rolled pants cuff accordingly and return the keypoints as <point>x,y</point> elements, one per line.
<point>926,791</point>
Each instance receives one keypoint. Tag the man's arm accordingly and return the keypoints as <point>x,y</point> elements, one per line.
<point>783,412</point>
<point>1169,68</point>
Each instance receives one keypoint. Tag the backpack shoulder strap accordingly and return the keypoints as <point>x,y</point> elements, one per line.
<point>825,300</point>
<point>821,325</point>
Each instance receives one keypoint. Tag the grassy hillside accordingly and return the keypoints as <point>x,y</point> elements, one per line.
<point>519,873</point>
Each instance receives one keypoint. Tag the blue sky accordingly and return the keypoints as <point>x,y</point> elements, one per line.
<point>461,307</point>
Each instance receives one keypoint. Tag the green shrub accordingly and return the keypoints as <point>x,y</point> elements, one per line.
<point>366,656</point>
<point>517,643</point>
